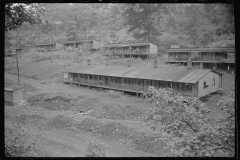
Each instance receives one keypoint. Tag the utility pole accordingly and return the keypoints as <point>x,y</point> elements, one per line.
<point>17,57</point>
<point>18,69</point>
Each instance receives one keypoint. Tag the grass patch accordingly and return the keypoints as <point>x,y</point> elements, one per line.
<point>114,94</point>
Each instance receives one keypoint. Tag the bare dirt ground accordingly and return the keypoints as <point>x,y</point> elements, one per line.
<point>59,120</point>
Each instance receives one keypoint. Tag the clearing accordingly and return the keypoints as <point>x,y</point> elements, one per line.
<point>59,120</point>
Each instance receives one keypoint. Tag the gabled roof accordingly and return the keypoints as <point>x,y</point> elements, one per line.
<point>226,49</point>
<point>78,41</point>
<point>163,73</point>
<point>43,44</point>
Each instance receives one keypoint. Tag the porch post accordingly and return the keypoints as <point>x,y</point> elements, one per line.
<point>98,80</point>
<point>192,89</point>
<point>88,81</point>
<point>137,86</point>
<point>122,84</point>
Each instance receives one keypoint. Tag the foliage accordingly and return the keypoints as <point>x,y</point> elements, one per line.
<point>17,13</point>
<point>187,131</point>
<point>72,31</point>
<point>95,149</point>
<point>189,25</point>
<point>18,143</point>
<point>140,18</point>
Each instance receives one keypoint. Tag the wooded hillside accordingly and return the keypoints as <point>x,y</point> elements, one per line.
<point>189,25</point>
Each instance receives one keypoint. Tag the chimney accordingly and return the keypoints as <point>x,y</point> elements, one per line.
<point>88,61</point>
<point>189,64</point>
<point>156,63</point>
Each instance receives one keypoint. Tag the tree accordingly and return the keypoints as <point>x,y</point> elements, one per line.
<point>17,13</point>
<point>85,17</point>
<point>187,131</point>
<point>72,31</point>
<point>140,19</point>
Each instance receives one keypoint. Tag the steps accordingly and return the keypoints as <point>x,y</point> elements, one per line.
<point>202,106</point>
<point>221,91</point>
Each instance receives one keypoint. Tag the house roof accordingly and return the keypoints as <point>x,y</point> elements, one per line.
<point>163,73</point>
<point>127,44</point>
<point>43,44</point>
<point>226,49</point>
<point>83,40</point>
<point>12,88</point>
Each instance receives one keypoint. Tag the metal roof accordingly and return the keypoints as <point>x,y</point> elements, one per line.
<point>201,50</point>
<point>79,41</point>
<point>127,44</point>
<point>43,44</point>
<point>163,73</point>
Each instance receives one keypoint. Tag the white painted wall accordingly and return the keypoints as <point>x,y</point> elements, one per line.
<point>209,79</point>
<point>153,49</point>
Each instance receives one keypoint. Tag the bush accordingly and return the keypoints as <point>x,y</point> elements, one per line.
<point>56,56</point>
<point>187,131</point>
<point>18,143</point>
<point>95,149</point>
<point>35,57</point>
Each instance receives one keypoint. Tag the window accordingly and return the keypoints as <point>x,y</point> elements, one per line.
<point>214,82</point>
<point>131,81</point>
<point>169,84</point>
<point>100,77</point>
<point>90,77</point>
<point>205,85</point>
<point>112,79</point>
<point>189,86</point>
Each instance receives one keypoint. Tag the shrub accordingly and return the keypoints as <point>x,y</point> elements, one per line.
<point>187,131</point>
<point>56,56</point>
<point>35,57</point>
<point>18,143</point>
<point>95,149</point>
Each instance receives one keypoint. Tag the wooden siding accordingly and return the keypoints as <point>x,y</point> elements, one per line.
<point>59,46</point>
<point>87,45</point>
<point>136,49</point>
<point>13,96</point>
<point>153,49</point>
<point>208,78</point>
<point>210,57</point>
<point>129,84</point>
<point>96,44</point>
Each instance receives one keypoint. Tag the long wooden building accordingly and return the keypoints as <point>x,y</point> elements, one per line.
<point>204,57</point>
<point>184,80</point>
<point>44,47</point>
<point>136,49</point>
<point>86,44</point>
